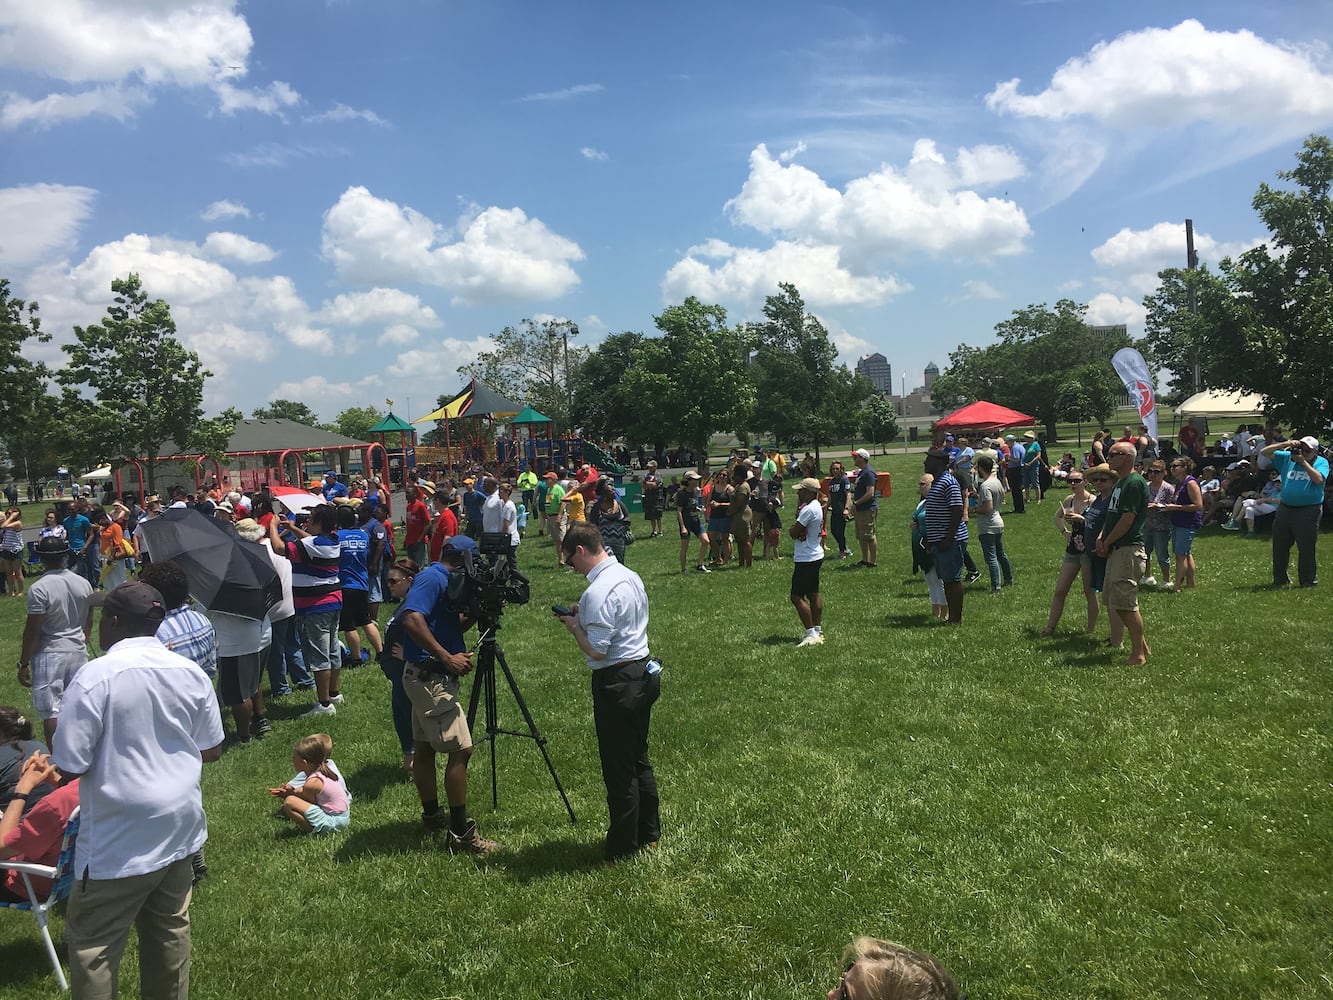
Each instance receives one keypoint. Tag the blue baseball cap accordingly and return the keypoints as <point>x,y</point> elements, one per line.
<point>461,543</point>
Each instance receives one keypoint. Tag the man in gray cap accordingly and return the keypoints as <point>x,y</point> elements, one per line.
<point>142,809</point>
<point>55,636</point>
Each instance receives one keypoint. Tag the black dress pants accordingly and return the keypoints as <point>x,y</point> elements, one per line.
<point>622,703</point>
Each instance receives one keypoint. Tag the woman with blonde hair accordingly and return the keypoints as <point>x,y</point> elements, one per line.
<point>882,970</point>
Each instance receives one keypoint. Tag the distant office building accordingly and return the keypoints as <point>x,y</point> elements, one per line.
<point>877,368</point>
<point>931,373</point>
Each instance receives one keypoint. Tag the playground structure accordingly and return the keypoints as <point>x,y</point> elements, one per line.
<point>474,413</point>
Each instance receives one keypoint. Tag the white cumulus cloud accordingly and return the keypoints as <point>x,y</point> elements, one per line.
<point>834,243</point>
<point>1132,258</point>
<point>38,220</point>
<point>236,247</point>
<point>1169,77</point>
<point>440,360</point>
<point>1106,309</point>
<point>743,274</point>
<point>113,54</point>
<point>490,255</point>
<point>589,153</point>
<point>323,392</point>
<point>224,210</point>
<point>399,334</point>
<point>379,306</point>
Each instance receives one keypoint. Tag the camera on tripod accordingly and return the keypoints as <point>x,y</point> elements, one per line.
<point>488,579</point>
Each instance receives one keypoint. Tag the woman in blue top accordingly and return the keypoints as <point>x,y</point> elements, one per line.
<point>1186,520</point>
<point>839,506</point>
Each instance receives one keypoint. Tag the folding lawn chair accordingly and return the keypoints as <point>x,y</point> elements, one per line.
<point>62,880</point>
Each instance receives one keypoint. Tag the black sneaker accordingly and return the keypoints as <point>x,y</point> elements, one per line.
<point>260,726</point>
<point>973,577</point>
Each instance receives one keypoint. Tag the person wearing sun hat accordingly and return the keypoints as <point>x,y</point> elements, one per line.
<point>1303,471</point>
<point>56,632</point>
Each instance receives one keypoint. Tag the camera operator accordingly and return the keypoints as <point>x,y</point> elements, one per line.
<point>610,623</point>
<point>435,657</point>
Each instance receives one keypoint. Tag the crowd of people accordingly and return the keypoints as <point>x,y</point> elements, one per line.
<point>1131,503</point>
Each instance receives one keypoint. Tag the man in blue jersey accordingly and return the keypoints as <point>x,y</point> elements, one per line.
<point>1303,472</point>
<point>354,573</point>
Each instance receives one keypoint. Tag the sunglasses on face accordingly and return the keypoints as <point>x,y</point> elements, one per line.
<point>1076,479</point>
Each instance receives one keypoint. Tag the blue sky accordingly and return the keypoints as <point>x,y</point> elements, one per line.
<point>342,199</point>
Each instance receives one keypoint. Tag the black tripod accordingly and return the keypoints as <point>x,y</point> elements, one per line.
<point>484,680</point>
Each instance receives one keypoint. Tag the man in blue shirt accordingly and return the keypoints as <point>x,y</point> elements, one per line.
<point>946,530</point>
<point>333,489</point>
<point>83,550</point>
<point>435,657</point>
<point>865,507</point>
<point>1303,472</point>
<point>473,502</point>
<point>1013,470</point>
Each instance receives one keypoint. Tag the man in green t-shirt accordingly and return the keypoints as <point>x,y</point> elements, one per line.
<point>1121,544</point>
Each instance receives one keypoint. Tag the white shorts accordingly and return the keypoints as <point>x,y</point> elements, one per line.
<point>51,674</point>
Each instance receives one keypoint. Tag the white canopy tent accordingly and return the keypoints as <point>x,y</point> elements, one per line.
<point>1222,404</point>
<point>103,473</point>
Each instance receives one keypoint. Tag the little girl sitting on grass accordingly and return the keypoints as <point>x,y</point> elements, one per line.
<point>319,804</point>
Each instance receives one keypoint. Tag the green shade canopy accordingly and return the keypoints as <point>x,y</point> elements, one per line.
<point>530,416</point>
<point>391,423</point>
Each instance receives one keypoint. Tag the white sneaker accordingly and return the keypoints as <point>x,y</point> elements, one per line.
<point>337,699</point>
<point>1148,581</point>
<point>812,639</point>
<point>320,710</point>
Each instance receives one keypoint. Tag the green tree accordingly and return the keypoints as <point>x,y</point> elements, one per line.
<point>876,420</point>
<point>803,394</point>
<point>1269,320</point>
<point>603,405</point>
<point>534,363</point>
<point>287,409</point>
<point>356,421</point>
<point>22,380</point>
<point>1026,369</point>
<point>33,442</point>
<point>146,388</point>
<point>691,382</point>
<point>1176,333</point>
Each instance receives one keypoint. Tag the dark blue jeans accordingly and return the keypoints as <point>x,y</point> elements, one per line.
<point>399,704</point>
<point>992,547</point>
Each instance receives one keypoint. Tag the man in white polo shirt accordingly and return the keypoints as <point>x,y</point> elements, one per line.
<point>142,813</point>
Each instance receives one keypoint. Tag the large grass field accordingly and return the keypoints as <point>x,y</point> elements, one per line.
<point>1046,821</point>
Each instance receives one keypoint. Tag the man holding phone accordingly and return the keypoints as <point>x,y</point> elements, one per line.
<point>610,624</point>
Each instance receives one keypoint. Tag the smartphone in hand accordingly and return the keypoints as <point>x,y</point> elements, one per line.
<point>561,611</point>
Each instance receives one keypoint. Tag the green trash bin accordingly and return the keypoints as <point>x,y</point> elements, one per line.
<point>633,497</point>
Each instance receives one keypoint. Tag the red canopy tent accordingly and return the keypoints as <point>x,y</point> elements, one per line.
<point>984,416</point>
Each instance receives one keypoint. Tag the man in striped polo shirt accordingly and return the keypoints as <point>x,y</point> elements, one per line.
<point>946,530</point>
<point>317,596</point>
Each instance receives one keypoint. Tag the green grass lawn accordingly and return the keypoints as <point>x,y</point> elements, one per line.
<point>1047,822</point>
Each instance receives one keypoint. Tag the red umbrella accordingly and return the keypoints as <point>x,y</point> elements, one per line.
<point>984,416</point>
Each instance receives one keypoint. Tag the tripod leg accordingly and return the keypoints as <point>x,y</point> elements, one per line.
<point>483,682</point>
<point>532,725</point>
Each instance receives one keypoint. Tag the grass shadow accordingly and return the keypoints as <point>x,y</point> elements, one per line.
<point>403,837</point>
<point>777,640</point>
<point>25,962</point>
<point>551,857</point>
<point>369,781</point>
<point>910,619</point>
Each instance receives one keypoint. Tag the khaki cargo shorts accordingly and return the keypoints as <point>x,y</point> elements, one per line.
<point>438,717</point>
